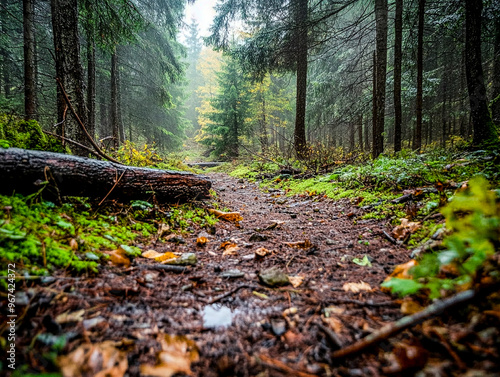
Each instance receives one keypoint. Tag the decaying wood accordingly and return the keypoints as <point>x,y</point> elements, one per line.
<point>204,164</point>
<point>23,171</point>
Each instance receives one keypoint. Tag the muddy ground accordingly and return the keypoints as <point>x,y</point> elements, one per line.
<point>228,323</point>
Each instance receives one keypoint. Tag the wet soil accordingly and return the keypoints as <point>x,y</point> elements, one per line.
<point>241,327</point>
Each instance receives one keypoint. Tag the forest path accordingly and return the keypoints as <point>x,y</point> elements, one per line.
<point>240,326</point>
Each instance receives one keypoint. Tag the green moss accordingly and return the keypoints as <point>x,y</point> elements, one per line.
<point>19,133</point>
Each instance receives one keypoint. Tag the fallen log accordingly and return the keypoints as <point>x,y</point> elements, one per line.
<point>23,171</point>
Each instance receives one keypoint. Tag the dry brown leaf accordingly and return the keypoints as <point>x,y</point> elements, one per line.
<point>296,281</point>
<point>73,244</point>
<point>356,287</point>
<point>227,216</point>
<point>119,257</point>
<point>401,271</point>
<point>94,360</point>
<point>176,356</point>
<point>306,244</point>
<point>406,228</point>
<point>333,323</point>
<point>201,241</point>
<point>230,248</point>
<point>262,252</point>
<point>68,317</point>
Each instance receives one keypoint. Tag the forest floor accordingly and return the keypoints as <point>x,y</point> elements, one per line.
<point>218,318</point>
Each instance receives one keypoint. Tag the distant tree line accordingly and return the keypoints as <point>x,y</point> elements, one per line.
<point>373,75</point>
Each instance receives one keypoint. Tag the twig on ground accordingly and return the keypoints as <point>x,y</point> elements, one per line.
<point>390,238</point>
<point>331,335</point>
<point>431,311</point>
<point>112,188</point>
<point>160,267</point>
<point>281,366</point>
<point>227,294</point>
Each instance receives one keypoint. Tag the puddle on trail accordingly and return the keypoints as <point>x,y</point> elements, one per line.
<point>217,316</point>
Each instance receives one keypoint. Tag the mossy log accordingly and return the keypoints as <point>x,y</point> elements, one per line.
<point>24,171</point>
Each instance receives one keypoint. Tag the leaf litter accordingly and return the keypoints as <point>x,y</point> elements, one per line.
<point>136,305</point>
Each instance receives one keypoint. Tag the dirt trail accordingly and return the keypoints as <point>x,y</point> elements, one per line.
<point>245,332</point>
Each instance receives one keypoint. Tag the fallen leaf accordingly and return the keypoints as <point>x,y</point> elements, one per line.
<point>260,295</point>
<point>296,281</point>
<point>201,241</point>
<point>73,244</point>
<point>365,262</point>
<point>94,360</point>
<point>300,244</point>
<point>406,356</point>
<point>406,228</point>
<point>333,323</point>
<point>68,317</point>
<point>290,311</point>
<point>119,257</point>
<point>262,252</point>
<point>185,259</point>
<point>227,216</point>
<point>333,310</point>
<point>229,248</point>
<point>356,287</point>
<point>159,257</point>
<point>176,356</point>
<point>402,271</point>
<point>274,224</point>
<point>409,307</point>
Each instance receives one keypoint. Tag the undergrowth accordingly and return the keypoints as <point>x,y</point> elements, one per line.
<point>40,236</point>
<point>473,217</point>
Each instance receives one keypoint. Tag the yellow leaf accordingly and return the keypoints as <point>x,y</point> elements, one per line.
<point>159,257</point>
<point>227,216</point>
<point>99,360</point>
<point>201,241</point>
<point>68,317</point>
<point>119,257</point>
<point>356,287</point>
<point>176,357</point>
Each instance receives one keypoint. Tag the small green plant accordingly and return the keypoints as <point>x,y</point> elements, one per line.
<point>473,216</point>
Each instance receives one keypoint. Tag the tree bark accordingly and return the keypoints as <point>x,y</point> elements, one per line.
<point>300,10</point>
<point>482,125</point>
<point>398,57</point>
<point>495,106</point>
<point>381,12</point>
<point>6,84</point>
<point>91,82</point>
<point>30,100</point>
<point>69,70</point>
<point>420,70</point>
<point>67,175</point>
<point>375,151</point>
<point>114,100</point>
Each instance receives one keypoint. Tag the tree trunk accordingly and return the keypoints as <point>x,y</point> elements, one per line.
<point>69,70</point>
<point>69,175</point>
<point>300,15</point>
<point>360,131</point>
<point>91,82</point>
<point>495,106</point>
<point>5,54</point>
<point>264,144</point>
<point>482,125</point>
<point>30,100</point>
<point>420,71</point>
<point>381,64</point>
<point>375,151</point>
<point>114,100</point>
<point>398,56</point>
